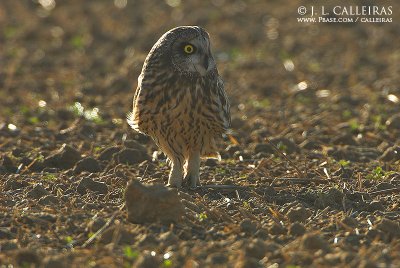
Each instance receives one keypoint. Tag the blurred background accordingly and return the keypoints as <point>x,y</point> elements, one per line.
<point>66,59</point>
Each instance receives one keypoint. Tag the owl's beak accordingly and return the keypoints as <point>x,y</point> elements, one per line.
<point>205,62</point>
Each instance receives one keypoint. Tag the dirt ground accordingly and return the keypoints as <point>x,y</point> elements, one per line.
<point>314,173</point>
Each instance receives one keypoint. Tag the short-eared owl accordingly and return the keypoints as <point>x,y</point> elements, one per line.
<point>180,101</point>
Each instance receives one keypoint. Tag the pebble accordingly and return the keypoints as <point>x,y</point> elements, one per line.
<point>297,229</point>
<point>5,233</point>
<point>217,258</point>
<point>256,249</point>
<point>314,242</point>
<point>88,164</point>
<point>277,229</point>
<point>375,206</point>
<point>49,200</point>
<point>108,153</point>
<point>89,184</point>
<point>152,203</point>
<point>65,158</point>
<point>389,227</point>
<point>248,226</point>
<point>130,156</point>
<point>38,191</point>
<point>299,214</point>
<point>349,221</point>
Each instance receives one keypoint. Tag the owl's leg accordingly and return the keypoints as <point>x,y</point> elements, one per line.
<point>193,169</point>
<point>176,174</point>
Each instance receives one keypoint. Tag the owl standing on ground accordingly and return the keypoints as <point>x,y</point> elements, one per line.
<point>180,101</point>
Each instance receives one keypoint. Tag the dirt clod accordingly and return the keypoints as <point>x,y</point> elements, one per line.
<point>152,203</point>
<point>297,229</point>
<point>130,156</point>
<point>389,227</point>
<point>89,184</point>
<point>314,242</point>
<point>248,226</point>
<point>299,214</point>
<point>88,164</point>
<point>38,191</point>
<point>64,158</point>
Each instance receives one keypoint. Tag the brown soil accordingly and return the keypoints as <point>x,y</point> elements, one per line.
<point>327,95</point>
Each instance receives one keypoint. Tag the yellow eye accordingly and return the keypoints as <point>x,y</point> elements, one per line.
<point>189,49</point>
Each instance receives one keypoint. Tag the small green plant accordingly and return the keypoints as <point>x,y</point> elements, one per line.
<point>202,216</point>
<point>130,254</point>
<point>69,240</point>
<point>281,146</point>
<point>344,163</point>
<point>167,263</point>
<point>354,125</point>
<point>377,174</point>
<point>49,177</point>
<point>246,205</point>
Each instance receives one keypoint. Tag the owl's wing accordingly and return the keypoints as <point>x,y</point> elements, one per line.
<point>225,114</point>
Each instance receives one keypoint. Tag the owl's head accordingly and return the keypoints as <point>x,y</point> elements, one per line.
<point>187,49</point>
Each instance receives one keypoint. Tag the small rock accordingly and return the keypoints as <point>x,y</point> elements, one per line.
<point>314,242</point>
<point>248,226</point>
<point>152,203</point>
<point>8,245</point>
<point>132,144</point>
<point>297,229</point>
<point>256,249</point>
<point>13,184</point>
<point>263,148</point>
<point>389,227</point>
<point>262,234</point>
<point>5,233</point>
<point>210,162</point>
<point>375,206</point>
<point>89,184</point>
<point>391,154</point>
<point>64,158</point>
<point>130,156</point>
<point>88,164</point>
<point>299,214</point>
<point>349,221</point>
<point>332,198</point>
<point>393,122</point>
<point>27,258</point>
<point>277,229</point>
<point>38,191</point>
<point>8,164</point>
<point>49,200</point>
<point>107,154</point>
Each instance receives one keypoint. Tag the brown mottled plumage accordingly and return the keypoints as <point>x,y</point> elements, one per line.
<point>180,101</point>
